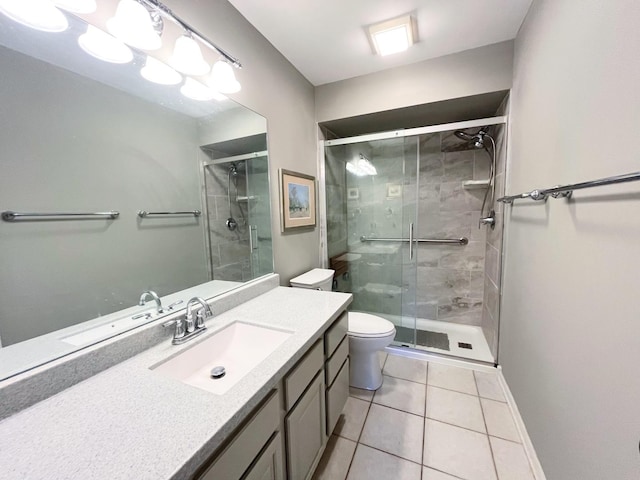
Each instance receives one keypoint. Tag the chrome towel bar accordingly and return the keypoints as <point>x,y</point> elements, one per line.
<point>567,190</point>
<point>144,213</point>
<point>432,241</point>
<point>9,216</point>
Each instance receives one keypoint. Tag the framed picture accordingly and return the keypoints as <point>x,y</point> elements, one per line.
<point>394,190</point>
<point>353,193</point>
<point>297,200</point>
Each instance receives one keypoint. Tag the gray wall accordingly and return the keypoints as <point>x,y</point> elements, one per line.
<point>570,312</point>
<point>275,89</point>
<point>472,72</point>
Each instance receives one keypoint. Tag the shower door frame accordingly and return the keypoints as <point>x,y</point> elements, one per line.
<point>409,132</point>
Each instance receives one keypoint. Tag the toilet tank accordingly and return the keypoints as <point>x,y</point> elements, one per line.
<point>316,279</point>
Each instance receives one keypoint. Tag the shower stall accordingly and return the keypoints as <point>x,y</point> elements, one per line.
<point>414,233</point>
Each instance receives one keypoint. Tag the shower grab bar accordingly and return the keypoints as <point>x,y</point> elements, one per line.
<point>567,190</point>
<point>10,216</point>
<point>144,213</point>
<point>432,241</point>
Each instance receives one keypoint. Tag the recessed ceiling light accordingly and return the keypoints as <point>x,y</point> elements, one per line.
<point>393,36</point>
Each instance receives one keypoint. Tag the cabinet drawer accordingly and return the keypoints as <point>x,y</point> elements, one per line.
<point>246,445</point>
<point>337,397</point>
<point>296,382</point>
<point>269,465</point>
<point>336,361</point>
<point>336,333</point>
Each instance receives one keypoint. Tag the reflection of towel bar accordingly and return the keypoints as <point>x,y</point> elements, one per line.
<point>9,216</point>
<point>144,213</point>
<point>433,241</point>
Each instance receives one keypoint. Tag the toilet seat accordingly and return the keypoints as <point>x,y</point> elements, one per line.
<point>365,325</point>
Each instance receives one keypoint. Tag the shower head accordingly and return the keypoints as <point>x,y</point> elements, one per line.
<point>477,139</point>
<point>233,170</point>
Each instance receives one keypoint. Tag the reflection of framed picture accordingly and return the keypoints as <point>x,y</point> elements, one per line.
<point>394,190</point>
<point>297,200</point>
<point>353,193</point>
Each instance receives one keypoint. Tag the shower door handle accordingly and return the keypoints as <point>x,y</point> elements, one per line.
<point>411,241</point>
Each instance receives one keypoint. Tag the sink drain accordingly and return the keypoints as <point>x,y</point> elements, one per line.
<point>218,372</point>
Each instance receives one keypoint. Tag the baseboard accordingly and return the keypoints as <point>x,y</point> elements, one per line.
<point>536,467</point>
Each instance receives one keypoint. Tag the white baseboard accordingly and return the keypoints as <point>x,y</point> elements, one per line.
<point>536,467</point>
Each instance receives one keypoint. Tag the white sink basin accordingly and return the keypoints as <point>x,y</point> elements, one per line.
<point>239,348</point>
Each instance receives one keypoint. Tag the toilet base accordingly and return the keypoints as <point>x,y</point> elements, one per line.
<point>365,371</point>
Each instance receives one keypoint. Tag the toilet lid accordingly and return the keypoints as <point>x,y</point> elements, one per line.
<point>312,278</point>
<point>367,325</point>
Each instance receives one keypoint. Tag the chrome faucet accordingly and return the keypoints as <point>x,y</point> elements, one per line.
<point>156,298</point>
<point>193,323</point>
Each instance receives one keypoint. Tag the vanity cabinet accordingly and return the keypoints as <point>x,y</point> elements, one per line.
<point>336,370</point>
<point>268,466</point>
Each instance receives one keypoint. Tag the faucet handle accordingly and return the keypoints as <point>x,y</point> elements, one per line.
<point>180,327</point>
<point>171,307</point>
<point>201,316</point>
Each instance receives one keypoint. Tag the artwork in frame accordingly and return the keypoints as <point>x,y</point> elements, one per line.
<point>297,200</point>
<point>353,193</point>
<point>394,190</point>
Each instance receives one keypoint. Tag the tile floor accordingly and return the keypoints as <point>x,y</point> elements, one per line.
<point>428,421</point>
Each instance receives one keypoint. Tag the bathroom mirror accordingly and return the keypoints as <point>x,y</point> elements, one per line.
<point>81,135</point>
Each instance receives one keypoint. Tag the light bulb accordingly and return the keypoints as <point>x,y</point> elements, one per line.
<point>39,14</point>
<point>197,91</point>
<point>132,24</point>
<point>105,47</point>
<point>223,79</point>
<point>157,72</point>
<point>77,6</point>
<point>187,57</point>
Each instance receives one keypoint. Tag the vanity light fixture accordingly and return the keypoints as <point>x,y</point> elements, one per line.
<point>103,46</point>
<point>392,36</point>
<point>38,14</point>
<point>158,72</point>
<point>77,6</point>
<point>187,57</point>
<point>195,90</point>
<point>133,25</point>
<point>361,166</point>
<point>223,79</point>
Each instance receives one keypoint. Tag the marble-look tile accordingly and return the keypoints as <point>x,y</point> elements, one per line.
<point>406,368</point>
<point>455,408</point>
<point>234,252</point>
<point>458,166</point>
<point>494,235</point>
<point>467,257</point>
<point>511,460</point>
<point>451,143</point>
<point>492,263</point>
<point>459,307</point>
<point>431,167</point>
<point>476,284</point>
<point>336,459</point>
<point>457,451</point>
<point>489,386</point>
<point>402,395</point>
<point>352,419</point>
<point>431,474</point>
<point>481,164</point>
<point>361,394</point>
<point>430,143</point>
<point>369,464</point>
<point>491,297</point>
<point>395,432</point>
<point>455,198</point>
<point>499,420</point>
<point>477,233</point>
<point>472,317</point>
<point>452,378</point>
<point>212,209</point>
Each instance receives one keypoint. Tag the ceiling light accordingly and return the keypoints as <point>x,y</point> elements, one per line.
<point>105,47</point>
<point>187,57</point>
<point>39,14</point>
<point>223,79</point>
<point>77,6</point>
<point>157,72</point>
<point>197,91</point>
<point>392,36</point>
<point>133,25</point>
<point>361,167</point>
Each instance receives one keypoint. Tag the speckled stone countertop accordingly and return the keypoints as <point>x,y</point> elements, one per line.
<point>131,422</point>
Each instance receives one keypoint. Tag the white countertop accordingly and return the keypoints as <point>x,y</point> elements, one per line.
<point>131,422</point>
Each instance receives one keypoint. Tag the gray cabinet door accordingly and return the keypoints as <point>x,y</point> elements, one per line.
<point>305,429</point>
<point>269,464</point>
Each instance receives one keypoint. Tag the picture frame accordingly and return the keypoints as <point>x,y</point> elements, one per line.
<point>353,193</point>
<point>394,190</point>
<point>297,201</point>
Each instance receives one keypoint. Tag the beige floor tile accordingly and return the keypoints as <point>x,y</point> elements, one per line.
<point>499,420</point>
<point>371,464</point>
<point>395,432</point>
<point>488,386</point>
<point>401,394</point>
<point>453,378</point>
<point>352,419</point>
<point>406,368</point>
<point>366,395</point>
<point>457,451</point>
<point>431,474</point>
<point>455,408</point>
<point>336,459</point>
<point>511,460</point>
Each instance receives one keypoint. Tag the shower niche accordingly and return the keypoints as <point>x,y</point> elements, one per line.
<point>414,232</point>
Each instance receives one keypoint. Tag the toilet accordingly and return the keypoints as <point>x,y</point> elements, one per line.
<point>368,334</point>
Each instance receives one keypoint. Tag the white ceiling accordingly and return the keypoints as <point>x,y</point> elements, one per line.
<point>326,40</point>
